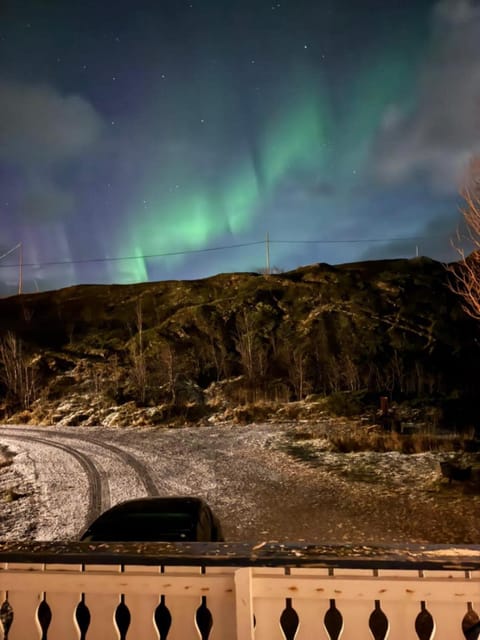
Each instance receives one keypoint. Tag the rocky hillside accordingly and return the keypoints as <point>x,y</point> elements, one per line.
<point>198,350</point>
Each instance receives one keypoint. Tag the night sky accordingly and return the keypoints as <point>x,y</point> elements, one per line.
<point>341,128</point>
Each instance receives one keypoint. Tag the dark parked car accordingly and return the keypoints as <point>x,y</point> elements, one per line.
<point>156,520</point>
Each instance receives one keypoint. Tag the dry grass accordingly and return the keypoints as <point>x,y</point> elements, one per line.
<point>253,412</point>
<point>373,440</point>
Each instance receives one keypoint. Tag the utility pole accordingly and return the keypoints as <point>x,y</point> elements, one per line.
<point>267,250</point>
<point>20,268</point>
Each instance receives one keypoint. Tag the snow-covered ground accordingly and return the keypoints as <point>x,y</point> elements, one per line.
<point>246,473</point>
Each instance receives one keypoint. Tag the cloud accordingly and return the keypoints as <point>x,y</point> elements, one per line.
<point>38,125</point>
<point>436,140</point>
<point>41,132</point>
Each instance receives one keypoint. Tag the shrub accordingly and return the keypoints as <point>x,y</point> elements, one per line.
<point>344,403</point>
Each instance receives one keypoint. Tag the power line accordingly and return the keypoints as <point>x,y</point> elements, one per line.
<point>144,257</point>
<point>351,241</point>
<point>209,249</point>
<point>17,246</point>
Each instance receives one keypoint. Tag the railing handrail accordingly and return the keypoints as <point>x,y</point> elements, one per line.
<point>458,557</point>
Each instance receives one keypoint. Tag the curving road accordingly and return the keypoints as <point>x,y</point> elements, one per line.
<point>98,492</point>
<point>99,482</point>
<point>140,468</point>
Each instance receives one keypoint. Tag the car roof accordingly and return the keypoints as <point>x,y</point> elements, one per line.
<point>151,505</point>
<point>126,514</point>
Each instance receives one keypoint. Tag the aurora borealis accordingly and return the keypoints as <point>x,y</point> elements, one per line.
<point>158,140</point>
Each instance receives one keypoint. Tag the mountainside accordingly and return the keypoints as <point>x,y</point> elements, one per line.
<point>196,349</point>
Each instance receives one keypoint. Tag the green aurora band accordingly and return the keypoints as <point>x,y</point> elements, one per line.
<point>308,136</point>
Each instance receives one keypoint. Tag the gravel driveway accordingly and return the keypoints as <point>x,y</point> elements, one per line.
<point>259,490</point>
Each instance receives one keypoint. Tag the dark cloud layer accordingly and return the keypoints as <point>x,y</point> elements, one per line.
<point>437,138</point>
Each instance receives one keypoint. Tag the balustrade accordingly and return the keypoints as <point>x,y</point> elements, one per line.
<point>237,592</point>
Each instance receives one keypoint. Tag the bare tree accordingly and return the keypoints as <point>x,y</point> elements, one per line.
<point>138,370</point>
<point>245,339</point>
<point>168,366</point>
<point>16,371</point>
<point>466,272</point>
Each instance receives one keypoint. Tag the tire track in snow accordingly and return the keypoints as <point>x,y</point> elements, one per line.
<point>141,470</point>
<point>98,491</point>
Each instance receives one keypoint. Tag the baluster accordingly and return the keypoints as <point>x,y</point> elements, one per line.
<point>182,607</point>
<point>355,612</point>
<point>448,618</point>
<point>24,606</point>
<point>62,608</point>
<point>401,613</point>
<point>222,606</point>
<point>63,604</point>
<point>102,605</point>
<point>311,611</point>
<point>142,606</point>
<point>267,610</point>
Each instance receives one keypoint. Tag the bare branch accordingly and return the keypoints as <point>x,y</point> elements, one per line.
<point>16,371</point>
<point>466,272</point>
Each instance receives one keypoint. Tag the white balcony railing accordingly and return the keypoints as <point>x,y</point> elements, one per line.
<point>227,592</point>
